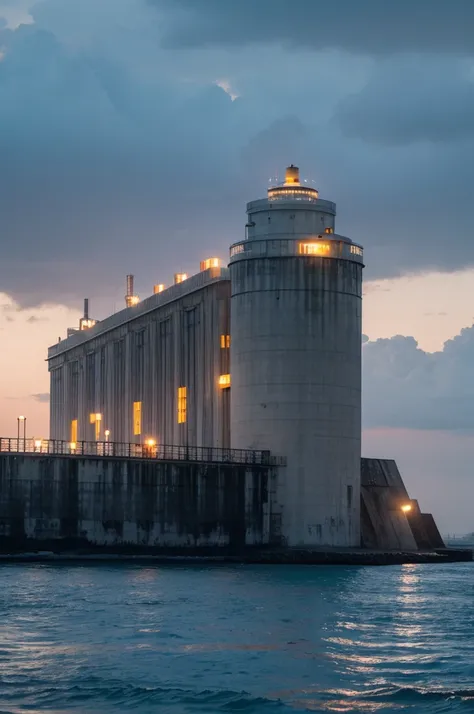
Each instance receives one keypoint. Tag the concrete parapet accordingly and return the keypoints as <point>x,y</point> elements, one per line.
<point>108,502</point>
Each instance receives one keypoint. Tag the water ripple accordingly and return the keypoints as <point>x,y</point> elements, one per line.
<point>245,639</point>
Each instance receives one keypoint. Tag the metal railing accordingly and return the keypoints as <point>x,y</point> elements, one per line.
<point>58,447</point>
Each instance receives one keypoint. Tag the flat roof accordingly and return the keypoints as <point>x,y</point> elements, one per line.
<point>174,292</point>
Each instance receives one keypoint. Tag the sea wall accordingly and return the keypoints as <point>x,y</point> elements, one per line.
<point>113,502</point>
<point>384,525</point>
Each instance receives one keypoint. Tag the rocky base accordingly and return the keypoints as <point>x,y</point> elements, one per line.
<point>288,556</point>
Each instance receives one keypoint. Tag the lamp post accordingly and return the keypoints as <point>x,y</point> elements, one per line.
<point>21,420</point>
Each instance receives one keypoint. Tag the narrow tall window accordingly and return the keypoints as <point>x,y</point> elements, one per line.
<point>225,342</point>
<point>137,418</point>
<point>349,497</point>
<point>182,406</point>
<point>74,431</point>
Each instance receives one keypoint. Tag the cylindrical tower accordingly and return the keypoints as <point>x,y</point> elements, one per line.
<point>296,359</point>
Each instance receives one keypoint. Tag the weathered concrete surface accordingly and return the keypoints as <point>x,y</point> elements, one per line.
<point>383,524</point>
<point>112,502</point>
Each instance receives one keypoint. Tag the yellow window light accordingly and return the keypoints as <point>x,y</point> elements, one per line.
<point>314,248</point>
<point>180,277</point>
<point>86,323</point>
<point>137,418</point>
<point>182,405</point>
<point>74,431</point>
<point>224,381</point>
<point>210,263</point>
<point>158,288</point>
<point>225,342</point>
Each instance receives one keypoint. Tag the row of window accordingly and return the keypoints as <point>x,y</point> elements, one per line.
<point>314,248</point>
<point>355,250</point>
<point>96,419</point>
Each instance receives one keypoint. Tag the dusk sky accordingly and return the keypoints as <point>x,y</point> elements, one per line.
<point>133,132</point>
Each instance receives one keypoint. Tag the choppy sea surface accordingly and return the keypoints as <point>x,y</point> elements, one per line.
<point>257,640</point>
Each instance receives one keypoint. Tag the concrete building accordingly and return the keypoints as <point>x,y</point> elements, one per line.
<point>161,370</point>
<point>296,358</point>
<point>149,372</point>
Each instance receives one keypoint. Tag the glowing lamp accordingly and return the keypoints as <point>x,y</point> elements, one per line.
<point>406,508</point>
<point>210,263</point>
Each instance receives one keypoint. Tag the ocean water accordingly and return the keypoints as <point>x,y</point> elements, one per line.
<point>257,640</point>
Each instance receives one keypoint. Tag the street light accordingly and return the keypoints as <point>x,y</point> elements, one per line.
<point>107,434</point>
<point>150,447</point>
<point>21,420</point>
<point>406,508</point>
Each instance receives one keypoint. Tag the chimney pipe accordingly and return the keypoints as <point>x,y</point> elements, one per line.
<point>86,308</point>
<point>130,298</point>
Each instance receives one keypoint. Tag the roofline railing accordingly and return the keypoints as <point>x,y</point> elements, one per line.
<point>146,450</point>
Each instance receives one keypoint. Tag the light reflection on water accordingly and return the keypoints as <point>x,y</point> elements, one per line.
<point>254,639</point>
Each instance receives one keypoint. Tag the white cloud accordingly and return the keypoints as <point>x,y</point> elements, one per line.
<point>16,13</point>
<point>405,387</point>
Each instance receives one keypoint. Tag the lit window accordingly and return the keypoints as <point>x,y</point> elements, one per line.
<point>98,421</point>
<point>355,250</point>
<point>225,341</point>
<point>74,431</point>
<point>210,263</point>
<point>314,248</point>
<point>180,277</point>
<point>137,418</point>
<point>237,249</point>
<point>329,230</point>
<point>224,381</point>
<point>182,399</point>
<point>86,323</point>
<point>158,288</point>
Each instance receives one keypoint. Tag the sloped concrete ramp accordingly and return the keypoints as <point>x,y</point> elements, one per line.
<point>384,525</point>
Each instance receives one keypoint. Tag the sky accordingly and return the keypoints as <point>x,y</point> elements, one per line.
<point>133,132</point>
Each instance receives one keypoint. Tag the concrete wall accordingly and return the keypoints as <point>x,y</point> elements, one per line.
<point>138,502</point>
<point>383,524</point>
<point>296,361</point>
<point>296,387</point>
<point>142,355</point>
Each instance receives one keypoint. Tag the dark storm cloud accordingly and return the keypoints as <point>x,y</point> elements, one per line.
<point>410,100</point>
<point>120,156</point>
<point>405,387</point>
<point>360,26</point>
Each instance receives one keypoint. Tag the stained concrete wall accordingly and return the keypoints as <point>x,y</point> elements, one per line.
<point>138,502</point>
<point>383,524</point>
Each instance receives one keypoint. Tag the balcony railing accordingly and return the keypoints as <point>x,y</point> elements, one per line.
<point>56,447</point>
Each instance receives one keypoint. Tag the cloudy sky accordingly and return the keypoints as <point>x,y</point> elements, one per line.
<point>132,133</point>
